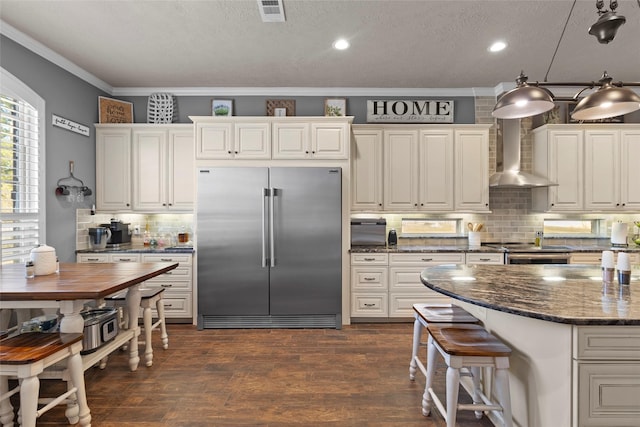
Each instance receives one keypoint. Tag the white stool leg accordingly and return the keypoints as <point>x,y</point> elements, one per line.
<point>503,392</point>
<point>29,389</point>
<point>6,410</point>
<point>76,373</point>
<point>427,401</point>
<point>453,387</point>
<point>417,334</point>
<point>148,348</point>
<point>163,325</point>
<point>475,378</point>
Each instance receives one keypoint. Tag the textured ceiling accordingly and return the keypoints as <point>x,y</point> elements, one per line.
<point>394,43</point>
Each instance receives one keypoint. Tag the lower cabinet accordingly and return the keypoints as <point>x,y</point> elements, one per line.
<point>595,258</point>
<point>387,285</point>
<point>178,283</point>
<point>606,365</point>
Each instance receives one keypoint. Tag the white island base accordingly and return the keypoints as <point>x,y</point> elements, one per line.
<point>568,375</point>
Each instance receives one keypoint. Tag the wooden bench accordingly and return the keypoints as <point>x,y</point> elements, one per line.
<point>27,355</point>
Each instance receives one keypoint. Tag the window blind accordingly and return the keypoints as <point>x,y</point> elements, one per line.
<point>20,179</point>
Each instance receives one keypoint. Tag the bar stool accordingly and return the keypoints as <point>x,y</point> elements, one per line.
<point>26,356</point>
<point>468,345</point>
<point>149,297</point>
<point>432,313</point>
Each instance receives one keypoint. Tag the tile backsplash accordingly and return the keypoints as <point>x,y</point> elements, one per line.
<point>159,224</point>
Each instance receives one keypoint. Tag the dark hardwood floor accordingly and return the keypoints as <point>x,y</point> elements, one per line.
<point>357,376</point>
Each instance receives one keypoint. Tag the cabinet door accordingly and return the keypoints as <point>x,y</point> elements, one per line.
<point>566,159</point>
<point>472,170</point>
<point>113,169</point>
<point>630,172</point>
<point>602,170</point>
<point>214,141</point>
<point>330,140</point>
<point>252,141</point>
<point>366,170</point>
<point>149,169</point>
<point>436,170</point>
<point>401,170</point>
<point>291,140</point>
<point>181,185</point>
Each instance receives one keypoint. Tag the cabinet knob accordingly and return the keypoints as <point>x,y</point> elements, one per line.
<point>306,152</point>
<point>415,204</point>
<point>170,204</point>
<point>421,204</point>
<point>236,152</point>
<point>553,204</point>
<point>486,204</point>
<point>624,204</point>
<point>313,152</point>
<point>128,204</point>
<point>617,204</point>
<point>164,204</point>
<point>379,204</point>
<point>229,151</point>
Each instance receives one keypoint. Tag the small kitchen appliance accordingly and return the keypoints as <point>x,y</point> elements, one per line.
<point>392,240</point>
<point>619,232</point>
<point>100,327</point>
<point>98,237</point>
<point>119,232</point>
<point>369,232</point>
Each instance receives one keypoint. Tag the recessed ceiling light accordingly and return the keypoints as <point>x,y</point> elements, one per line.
<point>341,44</point>
<point>497,46</point>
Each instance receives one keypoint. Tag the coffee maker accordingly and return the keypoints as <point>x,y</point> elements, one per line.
<point>119,233</point>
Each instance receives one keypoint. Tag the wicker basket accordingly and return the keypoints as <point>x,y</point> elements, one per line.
<point>161,108</point>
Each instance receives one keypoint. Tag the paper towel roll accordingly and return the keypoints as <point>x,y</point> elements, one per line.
<point>619,232</point>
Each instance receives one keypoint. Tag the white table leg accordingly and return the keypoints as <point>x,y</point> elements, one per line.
<point>133,308</point>
<point>148,348</point>
<point>72,321</point>
<point>76,372</point>
<point>29,389</point>
<point>6,409</point>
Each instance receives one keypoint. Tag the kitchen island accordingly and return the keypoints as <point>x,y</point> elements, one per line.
<point>575,340</point>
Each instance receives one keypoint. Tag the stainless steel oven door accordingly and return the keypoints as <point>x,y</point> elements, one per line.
<point>537,258</point>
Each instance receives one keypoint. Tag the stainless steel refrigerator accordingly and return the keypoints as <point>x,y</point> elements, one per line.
<point>269,247</point>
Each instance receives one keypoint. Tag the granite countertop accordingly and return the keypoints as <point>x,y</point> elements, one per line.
<point>140,250</point>
<point>493,247</point>
<point>573,294</point>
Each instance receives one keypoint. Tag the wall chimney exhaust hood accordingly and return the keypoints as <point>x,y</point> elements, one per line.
<point>508,173</point>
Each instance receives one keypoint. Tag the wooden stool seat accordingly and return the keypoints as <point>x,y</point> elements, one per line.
<point>27,355</point>
<point>468,346</point>
<point>432,313</point>
<point>149,298</point>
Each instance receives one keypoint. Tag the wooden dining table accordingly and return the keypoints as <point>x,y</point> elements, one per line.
<point>72,287</point>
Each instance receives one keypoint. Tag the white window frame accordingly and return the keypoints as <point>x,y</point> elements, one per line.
<point>13,87</point>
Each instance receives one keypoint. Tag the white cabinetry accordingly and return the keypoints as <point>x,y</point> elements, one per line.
<point>145,167</point>
<point>401,166</point>
<point>366,170</point>
<point>178,284</point>
<point>163,169</point>
<point>369,285</point>
<point>595,258</point>
<point>113,167</point>
<point>272,137</point>
<point>472,170</point>
<point>405,286</point>
<point>473,258</point>
<point>435,187</point>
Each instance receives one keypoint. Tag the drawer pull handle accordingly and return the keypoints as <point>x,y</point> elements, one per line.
<point>169,273</point>
<point>369,259</point>
<point>369,279</point>
<point>166,259</point>
<point>369,305</point>
<point>485,259</point>
<point>427,259</point>
<point>93,259</point>
<point>168,305</point>
<point>166,286</point>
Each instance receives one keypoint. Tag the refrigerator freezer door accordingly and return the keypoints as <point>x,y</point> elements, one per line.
<point>232,276</point>
<point>306,277</point>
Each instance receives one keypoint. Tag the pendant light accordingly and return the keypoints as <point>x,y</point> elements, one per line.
<point>606,27</point>
<point>608,101</point>
<point>523,101</point>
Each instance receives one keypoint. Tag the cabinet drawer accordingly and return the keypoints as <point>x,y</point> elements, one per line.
<point>374,278</point>
<point>178,278</point>
<point>608,394</point>
<point>369,304</point>
<point>176,304</point>
<point>427,258</point>
<point>406,279</point>
<point>181,258</point>
<point>124,258</point>
<point>370,259</point>
<point>607,343</point>
<point>401,304</point>
<point>92,258</point>
<point>477,258</point>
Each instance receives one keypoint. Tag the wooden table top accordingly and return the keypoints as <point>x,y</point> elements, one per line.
<point>76,281</point>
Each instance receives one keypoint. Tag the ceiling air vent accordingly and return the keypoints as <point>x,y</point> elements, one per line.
<point>271,10</point>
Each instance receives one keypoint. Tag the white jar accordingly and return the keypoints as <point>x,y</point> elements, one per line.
<point>44,258</point>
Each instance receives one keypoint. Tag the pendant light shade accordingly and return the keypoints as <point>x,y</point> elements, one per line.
<point>606,27</point>
<point>523,101</point>
<point>608,101</point>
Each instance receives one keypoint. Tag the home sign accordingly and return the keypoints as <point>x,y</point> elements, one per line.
<point>409,111</point>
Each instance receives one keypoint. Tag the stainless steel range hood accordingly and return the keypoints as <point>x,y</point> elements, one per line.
<point>508,173</point>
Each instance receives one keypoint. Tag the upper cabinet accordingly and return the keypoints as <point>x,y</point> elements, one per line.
<point>424,169</point>
<point>272,137</point>
<point>144,167</point>
<point>592,164</point>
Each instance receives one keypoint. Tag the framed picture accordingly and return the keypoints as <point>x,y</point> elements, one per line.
<point>284,107</point>
<point>222,107</point>
<point>572,105</point>
<point>335,107</point>
<point>114,111</point>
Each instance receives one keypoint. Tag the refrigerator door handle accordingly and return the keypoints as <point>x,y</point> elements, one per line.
<point>265,194</point>
<point>272,214</point>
